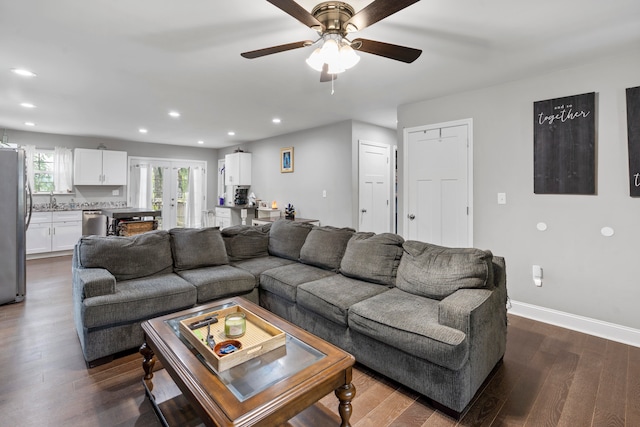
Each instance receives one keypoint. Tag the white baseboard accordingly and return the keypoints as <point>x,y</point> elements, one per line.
<point>610,331</point>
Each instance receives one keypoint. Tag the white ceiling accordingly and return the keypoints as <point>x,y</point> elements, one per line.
<point>108,67</point>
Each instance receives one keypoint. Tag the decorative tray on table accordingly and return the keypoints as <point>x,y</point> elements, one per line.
<point>260,337</point>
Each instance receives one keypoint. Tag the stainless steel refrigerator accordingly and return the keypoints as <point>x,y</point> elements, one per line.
<point>15,214</point>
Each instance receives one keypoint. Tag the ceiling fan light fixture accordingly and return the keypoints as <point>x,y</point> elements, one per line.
<point>316,60</point>
<point>348,56</point>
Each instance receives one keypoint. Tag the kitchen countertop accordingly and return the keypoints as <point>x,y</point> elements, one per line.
<point>119,213</point>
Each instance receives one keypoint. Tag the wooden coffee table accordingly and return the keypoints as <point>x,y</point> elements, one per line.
<point>267,390</point>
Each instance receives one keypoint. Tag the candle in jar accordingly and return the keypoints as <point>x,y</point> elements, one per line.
<point>235,325</point>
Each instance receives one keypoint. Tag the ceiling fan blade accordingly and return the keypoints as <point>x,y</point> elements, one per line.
<point>301,14</point>
<point>391,51</point>
<point>376,11</point>
<point>275,49</point>
<point>325,76</point>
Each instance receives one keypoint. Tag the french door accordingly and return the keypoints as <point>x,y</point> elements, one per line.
<point>177,188</point>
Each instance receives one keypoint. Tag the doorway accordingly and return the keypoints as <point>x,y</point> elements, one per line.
<point>374,210</point>
<point>438,184</point>
<point>177,188</point>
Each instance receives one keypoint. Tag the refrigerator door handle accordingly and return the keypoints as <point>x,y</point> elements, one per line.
<point>30,205</point>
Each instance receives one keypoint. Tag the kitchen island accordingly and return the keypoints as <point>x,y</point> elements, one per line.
<point>130,221</point>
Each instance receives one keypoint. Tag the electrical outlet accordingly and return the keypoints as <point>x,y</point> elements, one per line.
<point>115,192</point>
<point>537,275</point>
<point>324,193</point>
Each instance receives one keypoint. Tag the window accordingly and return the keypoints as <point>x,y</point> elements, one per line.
<point>43,167</point>
<point>49,170</point>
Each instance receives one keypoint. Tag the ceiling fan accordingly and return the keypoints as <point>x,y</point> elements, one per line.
<point>333,21</point>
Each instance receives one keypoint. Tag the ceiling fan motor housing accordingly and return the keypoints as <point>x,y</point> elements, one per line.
<point>334,16</point>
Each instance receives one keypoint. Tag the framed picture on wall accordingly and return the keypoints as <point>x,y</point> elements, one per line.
<point>633,135</point>
<point>564,141</point>
<point>286,160</point>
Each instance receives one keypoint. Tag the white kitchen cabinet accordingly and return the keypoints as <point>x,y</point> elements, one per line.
<point>39,233</point>
<point>99,167</point>
<point>66,229</point>
<point>226,217</point>
<point>53,231</point>
<point>237,169</point>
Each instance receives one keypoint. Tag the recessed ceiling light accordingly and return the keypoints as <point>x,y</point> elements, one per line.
<point>231,133</point>
<point>276,120</point>
<point>22,72</point>
<point>29,123</point>
<point>142,130</point>
<point>201,142</point>
<point>27,105</point>
<point>174,114</point>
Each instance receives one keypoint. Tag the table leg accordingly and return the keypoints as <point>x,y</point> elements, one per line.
<point>345,394</point>
<point>148,360</point>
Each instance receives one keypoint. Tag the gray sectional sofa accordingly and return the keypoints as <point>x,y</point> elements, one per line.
<point>429,317</point>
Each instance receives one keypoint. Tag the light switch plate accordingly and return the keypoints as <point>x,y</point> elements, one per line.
<point>502,198</point>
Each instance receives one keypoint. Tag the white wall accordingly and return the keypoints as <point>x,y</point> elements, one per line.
<point>585,273</point>
<point>324,159</point>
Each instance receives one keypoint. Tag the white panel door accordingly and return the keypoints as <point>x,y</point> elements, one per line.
<point>438,186</point>
<point>374,211</point>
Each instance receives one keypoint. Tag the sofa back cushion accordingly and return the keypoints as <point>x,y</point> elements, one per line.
<point>197,247</point>
<point>286,238</point>
<point>325,246</point>
<point>246,242</point>
<point>127,257</point>
<point>436,272</point>
<point>373,257</point>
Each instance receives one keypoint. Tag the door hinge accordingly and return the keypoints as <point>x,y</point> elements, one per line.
<point>467,210</point>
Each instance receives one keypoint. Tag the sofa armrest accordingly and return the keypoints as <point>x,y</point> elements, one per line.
<point>458,309</point>
<point>94,282</point>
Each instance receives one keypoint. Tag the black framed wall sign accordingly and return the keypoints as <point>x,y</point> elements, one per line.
<point>564,143</point>
<point>633,135</point>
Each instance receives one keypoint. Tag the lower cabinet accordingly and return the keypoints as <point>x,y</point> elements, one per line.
<point>226,217</point>
<point>53,231</point>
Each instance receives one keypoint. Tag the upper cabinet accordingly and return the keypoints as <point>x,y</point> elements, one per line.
<point>237,169</point>
<point>99,167</point>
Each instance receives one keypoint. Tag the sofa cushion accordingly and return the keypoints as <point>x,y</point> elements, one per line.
<point>284,281</point>
<point>138,299</point>
<point>332,296</point>
<point>127,257</point>
<point>219,281</point>
<point>286,238</point>
<point>256,266</point>
<point>325,246</point>
<point>436,272</point>
<point>197,247</point>
<point>373,257</point>
<point>246,242</point>
<point>410,323</point>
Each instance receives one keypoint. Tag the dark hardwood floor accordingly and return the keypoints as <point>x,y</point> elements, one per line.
<point>550,376</point>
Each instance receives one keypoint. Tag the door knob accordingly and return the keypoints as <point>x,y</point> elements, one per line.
<point>412,217</point>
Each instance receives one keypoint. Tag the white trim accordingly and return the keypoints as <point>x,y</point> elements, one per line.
<point>599,328</point>
<point>405,172</point>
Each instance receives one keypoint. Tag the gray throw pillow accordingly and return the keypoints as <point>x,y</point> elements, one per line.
<point>325,246</point>
<point>286,238</point>
<point>373,257</point>
<point>197,247</point>
<point>436,272</point>
<point>128,257</point>
<point>246,242</point>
